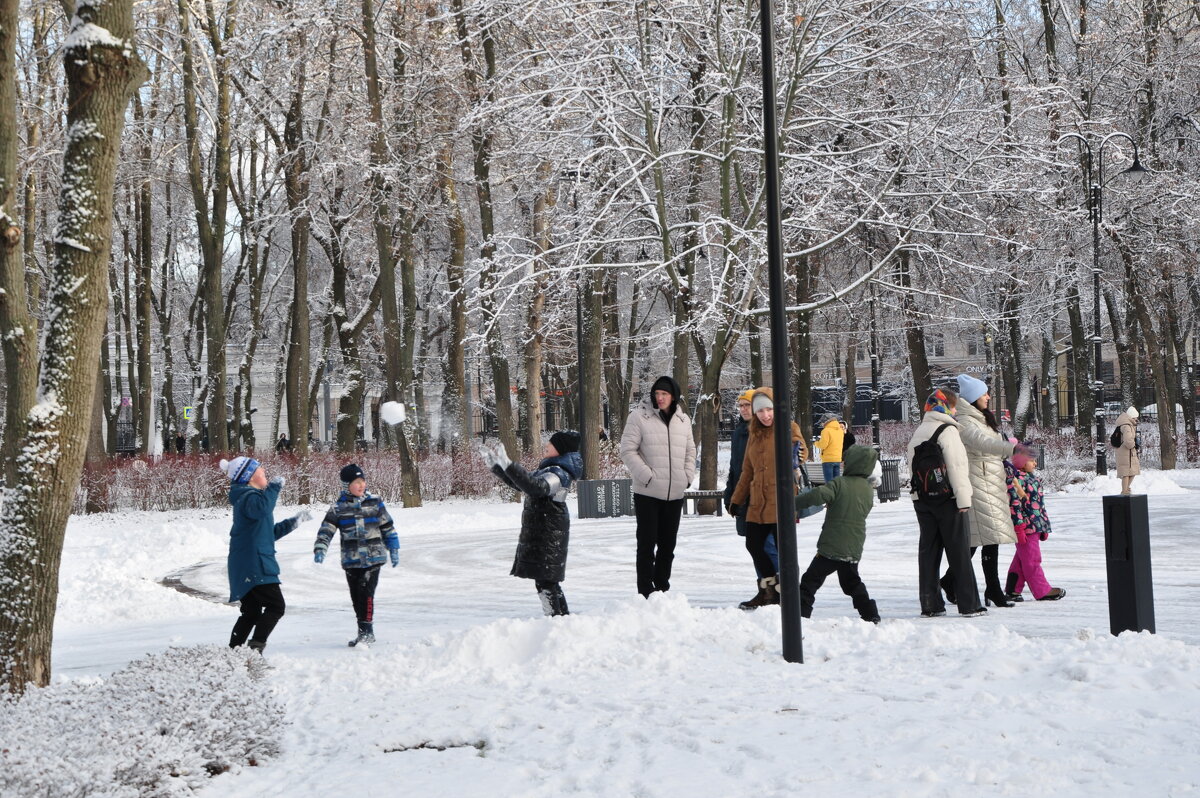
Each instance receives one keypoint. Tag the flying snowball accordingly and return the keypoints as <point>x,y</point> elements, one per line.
<point>392,413</point>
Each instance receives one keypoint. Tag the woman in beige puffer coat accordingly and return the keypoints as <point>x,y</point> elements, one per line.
<point>1128,464</point>
<point>990,518</point>
<point>658,449</point>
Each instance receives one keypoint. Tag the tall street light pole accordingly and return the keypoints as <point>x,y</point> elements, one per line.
<point>1093,165</point>
<point>785,480</point>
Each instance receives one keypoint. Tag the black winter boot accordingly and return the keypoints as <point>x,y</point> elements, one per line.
<point>257,645</point>
<point>1010,589</point>
<point>869,611</point>
<point>366,635</point>
<point>554,601</point>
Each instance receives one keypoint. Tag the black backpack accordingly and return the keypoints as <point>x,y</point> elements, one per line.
<point>930,480</point>
<point>1115,438</point>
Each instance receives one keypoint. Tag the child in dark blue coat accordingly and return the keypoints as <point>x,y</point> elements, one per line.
<point>368,539</point>
<point>545,522</point>
<point>253,569</point>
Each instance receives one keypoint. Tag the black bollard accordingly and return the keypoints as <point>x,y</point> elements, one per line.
<point>1127,549</point>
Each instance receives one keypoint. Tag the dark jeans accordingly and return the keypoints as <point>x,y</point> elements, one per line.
<point>944,528</point>
<point>768,546</point>
<point>831,471</point>
<point>362,582</point>
<point>657,528</point>
<point>852,585</point>
<point>552,598</point>
<point>262,608</point>
<point>757,536</point>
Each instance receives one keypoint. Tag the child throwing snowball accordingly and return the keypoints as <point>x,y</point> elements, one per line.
<point>545,522</point>
<point>368,539</point>
<point>253,569</point>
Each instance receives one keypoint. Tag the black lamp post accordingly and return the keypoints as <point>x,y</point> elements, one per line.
<point>785,480</point>
<point>1093,166</point>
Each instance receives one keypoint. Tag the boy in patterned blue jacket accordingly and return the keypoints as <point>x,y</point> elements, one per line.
<point>368,540</point>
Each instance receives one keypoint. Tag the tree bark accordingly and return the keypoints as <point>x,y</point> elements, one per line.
<point>101,77</point>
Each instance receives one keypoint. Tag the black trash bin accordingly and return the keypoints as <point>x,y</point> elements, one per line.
<point>1127,551</point>
<point>889,486</point>
<point>605,498</point>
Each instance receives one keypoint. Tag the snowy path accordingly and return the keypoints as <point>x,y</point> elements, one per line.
<point>663,698</point>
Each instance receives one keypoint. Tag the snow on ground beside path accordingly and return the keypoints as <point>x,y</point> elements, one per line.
<point>678,696</point>
<point>1151,483</point>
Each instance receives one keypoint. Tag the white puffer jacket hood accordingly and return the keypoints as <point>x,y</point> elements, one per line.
<point>991,518</point>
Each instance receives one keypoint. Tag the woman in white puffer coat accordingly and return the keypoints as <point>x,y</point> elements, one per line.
<point>991,521</point>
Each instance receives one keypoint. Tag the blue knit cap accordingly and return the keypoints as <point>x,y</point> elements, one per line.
<point>240,469</point>
<point>970,388</point>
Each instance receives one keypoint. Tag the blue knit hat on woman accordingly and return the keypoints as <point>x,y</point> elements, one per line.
<point>970,388</point>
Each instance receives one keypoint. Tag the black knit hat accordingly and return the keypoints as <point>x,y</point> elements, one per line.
<point>667,384</point>
<point>351,472</point>
<point>565,441</point>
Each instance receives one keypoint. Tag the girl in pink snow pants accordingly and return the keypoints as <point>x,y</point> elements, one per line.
<point>1033,526</point>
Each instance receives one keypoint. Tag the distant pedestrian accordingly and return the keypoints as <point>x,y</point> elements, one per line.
<point>1128,463</point>
<point>658,449</point>
<point>848,499</point>
<point>830,446</point>
<point>253,569</point>
<point>737,453</point>
<point>545,520</point>
<point>754,495</point>
<point>1032,524</point>
<point>283,445</point>
<point>368,540</point>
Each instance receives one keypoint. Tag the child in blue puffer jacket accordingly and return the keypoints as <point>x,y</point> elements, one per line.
<point>253,569</point>
<point>368,539</point>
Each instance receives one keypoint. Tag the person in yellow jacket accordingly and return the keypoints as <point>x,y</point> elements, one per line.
<point>830,444</point>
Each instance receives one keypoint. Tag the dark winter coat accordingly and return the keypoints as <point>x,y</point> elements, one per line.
<point>367,531</point>
<point>848,501</point>
<point>545,522</point>
<point>755,490</point>
<point>737,453</point>
<point>252,538</point>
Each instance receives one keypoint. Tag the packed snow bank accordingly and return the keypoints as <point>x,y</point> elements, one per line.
<point>161,727</point>
<point>1148,482</point>
<point>660,698</point>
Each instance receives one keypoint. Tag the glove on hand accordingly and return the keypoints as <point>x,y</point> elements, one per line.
<point>318,556</point>
<point>1043,535</point>
<point>395,555</point>
<point>276,481</point>
<point>302,516</point>
<point>501,457</point>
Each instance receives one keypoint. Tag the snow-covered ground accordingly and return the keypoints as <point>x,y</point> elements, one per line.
<point>682,695</point>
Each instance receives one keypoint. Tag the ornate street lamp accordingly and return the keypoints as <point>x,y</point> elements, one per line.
<point>1093,165</point>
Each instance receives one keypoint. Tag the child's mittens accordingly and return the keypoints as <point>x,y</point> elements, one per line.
<point>1043,535</point>
<point>495,457</point>
<point>394,554</point>
<point>319,553</point>
<point>302,516</point>
<point>276,481</point>
<point>1022,532</point>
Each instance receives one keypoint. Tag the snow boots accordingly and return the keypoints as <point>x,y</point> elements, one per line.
<point>257,645</point>
<point>767,594</point>
<point>366,635</point>
<point>554,602</point>
<point>1010,588</point>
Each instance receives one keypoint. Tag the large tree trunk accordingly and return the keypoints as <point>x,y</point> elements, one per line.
<point>17,329</point>
<point>398,339</point>
<point>914,334</point>
<point>102,73</point>
<point>456,428</point>
<point>296,189</point>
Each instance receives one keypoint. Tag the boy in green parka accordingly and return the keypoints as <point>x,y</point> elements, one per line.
<point>848,501</point>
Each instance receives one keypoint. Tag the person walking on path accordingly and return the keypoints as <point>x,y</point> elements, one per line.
<point>658,449</point>
<point>848,500</point>
<point>1032,524</point>
<point>737,453</point>
<point>252,567</point>
<point>754,495</point>
<point>1128,463</point>
<point>991,522</point>
<point>941,487</point>
<point>830,445</point>
<point>368,539</point>
<point>545,522</point>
